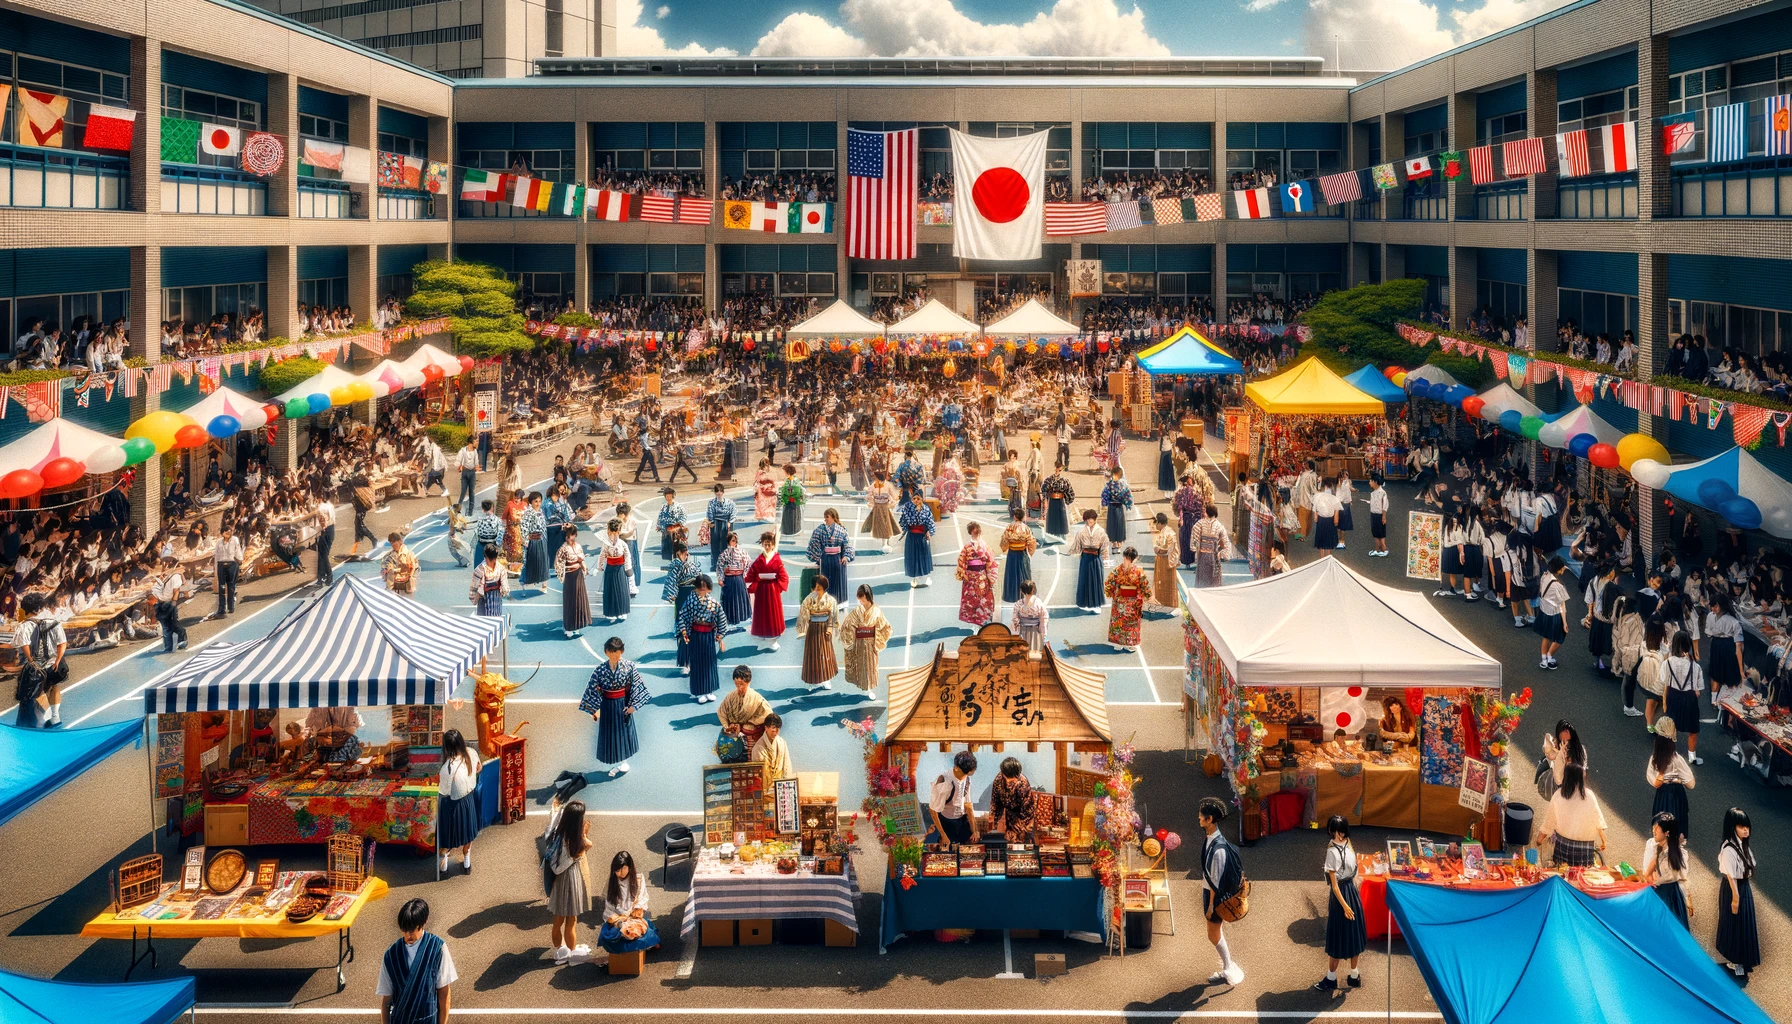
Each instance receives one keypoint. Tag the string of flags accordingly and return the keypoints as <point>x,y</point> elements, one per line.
<point>694,339</point>
<point>1747,421</point>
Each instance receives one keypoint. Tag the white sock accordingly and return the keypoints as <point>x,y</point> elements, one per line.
<point>1331,975</point>
<point>1354,973</point>
<point>1225,953</point>
<point>56,712</point>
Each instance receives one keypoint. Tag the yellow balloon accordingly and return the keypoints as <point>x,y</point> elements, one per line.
<point>361,390</point>
<point>1399,379</point>
<point>1632,447</point>
<point>158,428</point>
<point>341,395</point>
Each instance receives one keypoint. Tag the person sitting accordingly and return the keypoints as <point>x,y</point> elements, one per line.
<point>773,750</point>
<point>1011,803</point>
<point>627,927</point>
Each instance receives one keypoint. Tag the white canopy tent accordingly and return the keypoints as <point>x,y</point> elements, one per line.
<point>322,383</point>
<point>1582,420</point>
<point>1500,398</point>
<point>933,318</point>
<point>388,377</point>
<point>428,354</point>
<point>1326,625</point>
<point>838,319</point>
<point>247,412</point>
<point>1031,320</point>
<point>59,439</point>
<point>1432,374</point>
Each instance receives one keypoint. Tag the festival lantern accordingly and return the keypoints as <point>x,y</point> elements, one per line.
<point>652,345</point>
<point>948,368</point>
<point>61,472</point>
<point>1033,348</point>
<point>1079,346</point>
<point>1632,447</point>
<point>1051,348</point>
<point>223,426</point>
<point>1603,455</point>
<point>1101,345</point>
<point>1009,346</point>
<point>433,373</point>
<point>20,483</point>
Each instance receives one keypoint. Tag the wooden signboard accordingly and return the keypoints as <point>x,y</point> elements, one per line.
<point>993,692</point>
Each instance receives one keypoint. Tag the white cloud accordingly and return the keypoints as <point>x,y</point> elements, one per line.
<point>937,28</point>
<point>1388,34</point>
<point>635,39</point>
<point>662,12</point>
<point>808,35</point>
<point>1494,15</point>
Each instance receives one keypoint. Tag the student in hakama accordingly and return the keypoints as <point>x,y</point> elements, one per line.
<point>681,582</point>
<point>618,584</point>
<point>703,628</point>
<point>909,476</point>
<point>569,566</point>
<point>671,514</point>
<point>1212,547</point>
<point>864,632</point>
<point>1029,617</point>
<point>1164,592</point>
<point>766,581</point>
<point>733,566</point>
<point>830,549</point>
<point>611,698</point>
<point>1189,506</point>
<point>629,529</point>
<point>417,974</point>
<point>1018,545</point>
<point>1126,585</point>
<point>489,586</point>
<point>880,523</point>
<point>1058,496</point>
<point>1093,545</point>
<point>534,528</point>
<point>917,554</point>
<point>720,515</point>
<point>790,502</point>
<point>817,616</point>
<point>1166,460</point>
<point>1116,497</point>
<point>977,572</point>
<point>1346,933</point>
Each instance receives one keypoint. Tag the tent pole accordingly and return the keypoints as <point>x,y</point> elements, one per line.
<point>149,755</point>
<point>1388,908</point>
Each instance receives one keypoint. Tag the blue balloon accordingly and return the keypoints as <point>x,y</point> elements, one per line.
<point>1510,420</point>
<point>318,403</point>
<point>1422,389</point>
<point>223,425</point>
<point>1740,512</point>
<point>1456,393</point>
<point>1580,444</point>
<point>1714,492</point>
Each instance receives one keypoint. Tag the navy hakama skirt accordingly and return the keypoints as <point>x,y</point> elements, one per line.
<point>703,661</point>
<point>616,582</point>
<point>1057,518</point>
<point>1117,523</point>
<point>617,740</point>
<point>1088,582</point>
<point>834,568</point>
<point>735,602</point>
<point>1017,570</point>
<point>1738,940</point>
<point>917,556</point>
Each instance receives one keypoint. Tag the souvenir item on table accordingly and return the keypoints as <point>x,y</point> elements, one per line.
<point>995,862</point>
<point>1023,862</point>
<point>224,872</point>
<point>211,908</point>
<point>939,864</point>
<point>192,873</point>
<point>347,862</point>
<point>787,864</point>
<point>137,882</point>
<point>1082,864</point>
<point>267,873</point>
<point>311,901</point>
<point>338,906</point>
<point>1399,856</point>
<point>970,863</point>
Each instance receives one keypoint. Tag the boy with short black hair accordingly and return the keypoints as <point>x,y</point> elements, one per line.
<point>417,972</point>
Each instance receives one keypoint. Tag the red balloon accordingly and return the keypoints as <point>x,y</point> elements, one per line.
<point>61,472</point>
<point>433,373</point>
<point>466,363</point>
<point>1473,405</point>
<point>1163,834</point>
<point>747,346</point>
<point>272,412</point>
<point>20,483</point>
<point>1603,455</point>
<point>480,414</point>
<point>190,436</point>
<point>1390,371</point>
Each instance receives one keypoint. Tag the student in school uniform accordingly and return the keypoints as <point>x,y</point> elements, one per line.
<point>1665,863</point>
<point>1723,639</point>
<point>1378,516</point>
<point>1552,611</point>
<point>1684,680</point>
<point>949,803</point>
<point>1324,510</point>
<point>1346,933</point>
<point>1738,940</point>
<point>417,973</point>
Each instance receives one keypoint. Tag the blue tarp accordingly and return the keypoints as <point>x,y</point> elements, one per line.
<point>35,762</point>
<point>1552,953</point>
<point>1187,352</point>
<point>1370,381</point>
<point>68,1002</point>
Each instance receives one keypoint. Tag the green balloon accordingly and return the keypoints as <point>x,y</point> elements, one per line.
<point>1530,426</point>
<point>297,408</point>
<point>138,449</point>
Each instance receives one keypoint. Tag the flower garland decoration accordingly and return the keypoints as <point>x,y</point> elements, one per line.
<point>1116,827</point>
<point>1497,720</point>
<point>882,779</point>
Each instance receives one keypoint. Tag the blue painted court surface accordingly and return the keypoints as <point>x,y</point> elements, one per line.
<point>677,734</point>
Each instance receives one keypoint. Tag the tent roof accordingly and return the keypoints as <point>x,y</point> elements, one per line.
<point>70,1002</point>
<point>1072,701</point>
<point>1312,388</point>
<point>1432,375</point>
<point>355,645</point>
<point>933,318</point>
<point>394,377</point>
<point>1564,955</point>
<point>427,354</point>
<point>35,762</point>
<point>57,439</point>
<point>225,402</point>
<point>1579,420</point>
<point>1500,398</point>
<point>839,318</point>
<point>1032,319</point>
<point>323,382</point>
<point>1369,381</point>
<point>1187,352</point>
<point>1324,624</point>
<point>1747,477</point>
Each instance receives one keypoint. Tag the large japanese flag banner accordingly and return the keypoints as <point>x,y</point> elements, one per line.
<point>998,197</point>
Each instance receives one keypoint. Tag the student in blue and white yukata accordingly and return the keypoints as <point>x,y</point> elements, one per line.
<point>672,514</point>
<point>830,548</point>
<point>417,973</point>
<point>680,585</point>
<point>916,521</point>
<point>611,698</point>
<point>720,514</point>
<point>490,585</point>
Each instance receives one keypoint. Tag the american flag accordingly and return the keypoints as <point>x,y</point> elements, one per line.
<point>1480,165</point>
<point>1571,154</point>
<point>694,211</point>
<point>1076,218</point>
<point>1346,187</point>
<point>1524,156</point>
<point>881,169</point>
<point>659,209</point>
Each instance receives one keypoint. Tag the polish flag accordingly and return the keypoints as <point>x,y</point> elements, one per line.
<point>109,127</point>
<point>1251,203</point>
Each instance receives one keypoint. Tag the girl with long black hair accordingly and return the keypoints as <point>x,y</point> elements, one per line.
<point>1665,863</point>
<point>1738,941</point>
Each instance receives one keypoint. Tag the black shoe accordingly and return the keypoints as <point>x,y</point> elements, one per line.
<point>1325,985</point>
<point>1356,980</point>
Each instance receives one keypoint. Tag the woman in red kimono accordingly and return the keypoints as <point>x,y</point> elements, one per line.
<point>1126,587</point>
<point>766,581</point>
<point>977,571</point>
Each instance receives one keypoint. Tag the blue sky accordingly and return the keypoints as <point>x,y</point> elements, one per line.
<point>1378,34</point>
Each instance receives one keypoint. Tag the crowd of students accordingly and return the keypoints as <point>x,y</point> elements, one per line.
<point>660,183</point>
<point>795,187</point>
<point>1120,186</point>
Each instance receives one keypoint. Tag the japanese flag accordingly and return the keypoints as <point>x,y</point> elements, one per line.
<point>998,197</point>
<point>220,140</point>
<point>1342,707</point>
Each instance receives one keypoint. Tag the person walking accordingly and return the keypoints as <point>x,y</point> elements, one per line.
<point>43,645</point>
<point>617,584</point>
<point>417,972</point>
<point>1222,872</point>
<point>489,586</point>
<point>1126,587</point>
<point>569,567</point>
<point>467,462</point>
<point>703,628</point>
<point>1346,933</point>
<point>324,518</point>
<point>1018,546</point>
<point>976,572</point>
<point>612,696</point>
<point>830,548</point>
<point>1685,680</point>
<point>791,498</point>
<point>1029,617</point>
<point>671,515</point>
<point>1116,498</point>
<point>817,614</point>
<point>1738,940</point>
<point>916,521</point>
<point>1671,777</point>
<point>569,888</point>
<point>399,567</point>
<point>1058,495</point>
<point>1378,515</point>
<point>720,516</point>
<point>680,584</point>
<point>880,522</point>
<point>733,565</point>
<point>167,595</point>
<point>457,812</point>
<point>1552,614</point>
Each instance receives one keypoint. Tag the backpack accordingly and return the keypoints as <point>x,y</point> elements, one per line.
<point>38,674</point>
<point>1648,673</point>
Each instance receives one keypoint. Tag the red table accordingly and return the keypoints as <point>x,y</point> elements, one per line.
<point>1373,889</point>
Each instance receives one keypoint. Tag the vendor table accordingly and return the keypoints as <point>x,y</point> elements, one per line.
<point>1762,720</point>
<point>760,893</point>
<point>110,925</point>
<point>992,902</point>
<point>389,810</point>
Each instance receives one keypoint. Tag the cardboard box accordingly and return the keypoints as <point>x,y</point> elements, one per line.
<point>1049,965</point>
<point>226,824</point>
<point>838,934</point>
<point>716,933</point>
<point>628,963</point>
<point>756,931</point>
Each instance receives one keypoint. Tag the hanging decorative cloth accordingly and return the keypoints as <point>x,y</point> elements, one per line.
<point>1780,419</point>
<point>1748,421</point>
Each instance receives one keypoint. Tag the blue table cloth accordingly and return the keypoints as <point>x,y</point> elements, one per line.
<point>992,902</point>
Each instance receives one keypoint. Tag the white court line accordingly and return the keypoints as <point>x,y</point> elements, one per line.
<point>853,1011</point>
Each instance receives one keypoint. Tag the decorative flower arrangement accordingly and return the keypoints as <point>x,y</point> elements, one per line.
<point>1116,825</point>
<point>882,779</point>
<point>1496,720</point>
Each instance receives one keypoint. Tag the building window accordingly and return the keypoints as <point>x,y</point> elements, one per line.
<point>1746,328</point>
<point>1596,313</point>
<point>328,292</point>
<point>84,86</point>
<point>402,144</point>
<point>198,105</point>
<point>1427,142</point>
<point>1495,130</point>
<point>555,45</point>
<point>199,304</point>
<point>397,286</point>
<point>1598,110</point>
<point>62,310</point>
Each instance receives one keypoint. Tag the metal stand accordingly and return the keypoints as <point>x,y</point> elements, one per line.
<point>149,950</point>
<point>345,953</point>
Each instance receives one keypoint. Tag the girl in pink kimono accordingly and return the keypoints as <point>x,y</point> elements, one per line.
<point>765,493</point>
<point>977,571</point>
<point>947,484</point>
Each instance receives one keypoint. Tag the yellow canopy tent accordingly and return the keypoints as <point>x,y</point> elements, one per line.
<point>1311,389</point>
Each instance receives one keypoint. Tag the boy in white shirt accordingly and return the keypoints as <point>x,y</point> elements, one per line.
<point>1378,516</point>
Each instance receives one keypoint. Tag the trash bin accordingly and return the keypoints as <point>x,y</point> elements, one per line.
<point>1138,929</point>
<point>1518,824</point>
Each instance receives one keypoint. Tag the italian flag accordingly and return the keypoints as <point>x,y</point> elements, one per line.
<point>607,205</point>
<point>773,217</point>
<point>569,200</point>
<point>482,186</point>
<point>811,218</point>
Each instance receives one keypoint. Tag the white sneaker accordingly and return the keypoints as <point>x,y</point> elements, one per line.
<point>1216,978</point>
<point>1472,597</point>
<point>685,671</point>
<point>829,685</point>
<point>560,954</point>
<point>1440,593</point>
<point>1630,712</point>
<point>776,645</point>
<point>1235,975</point>
<point>581,952</point>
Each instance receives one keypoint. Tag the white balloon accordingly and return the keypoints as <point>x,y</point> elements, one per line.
<point>1650,473</point>
<point>1554,434</point>
<point>1778,521</point>
<point>1491,412</point>
<point>107,458</point>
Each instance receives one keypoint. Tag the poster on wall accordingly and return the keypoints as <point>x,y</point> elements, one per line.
<point>1083,277</point>
<point>1424,545</point>
<point>485,407</point>
<point>902,815</point>
<point>1477,779</point>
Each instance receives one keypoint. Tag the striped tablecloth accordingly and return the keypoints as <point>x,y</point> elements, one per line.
<point>721,896</point>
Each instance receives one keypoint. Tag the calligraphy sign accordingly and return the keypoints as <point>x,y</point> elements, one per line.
<point>993,692</point>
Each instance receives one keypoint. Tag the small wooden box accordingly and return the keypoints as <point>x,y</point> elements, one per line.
<point>838,934</point>
<point>226,824</point>
<point>756,931</point>
<point>628,963</point>
<point>1049,965</point>
<point>716,933</point>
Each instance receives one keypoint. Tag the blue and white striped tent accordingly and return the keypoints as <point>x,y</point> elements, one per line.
<point>355,645</point>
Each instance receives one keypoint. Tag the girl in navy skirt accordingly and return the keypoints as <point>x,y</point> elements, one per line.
<point>615,553</point>
<point>1737,939</point>
<point>1684,681</point>
<point>1723,634</point>
<point>457,811</point>
<point>1346,492</point>
<point>1346,934</point>
<point>1664,866</point>
<point>1552,612</point>
<point>1325,516</point>
<point>735,602</point>
<point>1092,544</point>
<point>1671,776</point>
<point>1166,461</point>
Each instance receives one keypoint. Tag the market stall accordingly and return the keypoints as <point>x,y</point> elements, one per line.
<point>989,693</point>
<point>71,1002</point>
<point>61,453</point>
<point>330,724</point>
<point>1323,692</point>
<point>1309,412</point>
<point>1186,353</point>
<point>840,320</point>
<point>1373,382</point>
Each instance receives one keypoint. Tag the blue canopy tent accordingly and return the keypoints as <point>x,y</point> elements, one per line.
<point>1552,952</point>
<point>1188,353</point>
<point>68,1002</point>
<point>1370,381</point>
<point>36,762</point>
<point>1734,485</point>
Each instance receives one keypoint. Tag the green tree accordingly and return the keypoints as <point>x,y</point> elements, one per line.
<point>1358,326</point>
<point>479,301</point>
<point>279,378</point>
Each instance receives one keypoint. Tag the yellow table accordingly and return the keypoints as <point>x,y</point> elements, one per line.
<point>110,926</point>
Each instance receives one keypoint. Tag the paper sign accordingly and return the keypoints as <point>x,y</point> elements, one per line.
<point>902,812</point>
<point>1424,545</point>
<point>784,799</point>
<point>1477,777</point>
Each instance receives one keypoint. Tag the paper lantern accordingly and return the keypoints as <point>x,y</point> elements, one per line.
<point>190,436</point>
<point>948,369</point>
<point>20,483</point>
<point>1580,444</point>
<point>1715,492</point>
<point>1172,841</point>
<point>137,449</point>
<point>1632,447</point>
<point>1740,512</point>
<point>1399,379</point>
<point>318,403</point>
<point>107,458</point>
<point>1650,473</point>
<point>1512,420</point>
<point>1473,405</point>
<point>1530,426</point>
<point>1101,345</point>
<point>1603,455</point>
<point>158,428</point>
<point>61,472</point>
<point>223,425</point>
<point>466,364</point>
